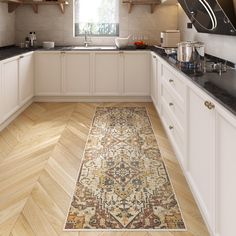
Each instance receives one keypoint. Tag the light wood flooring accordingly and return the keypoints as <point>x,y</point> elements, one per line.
<point>40,154</point>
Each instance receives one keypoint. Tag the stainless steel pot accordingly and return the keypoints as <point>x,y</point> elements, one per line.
<point>190,51</point>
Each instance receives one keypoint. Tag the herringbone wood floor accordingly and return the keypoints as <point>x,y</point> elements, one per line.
<point>40,155</point>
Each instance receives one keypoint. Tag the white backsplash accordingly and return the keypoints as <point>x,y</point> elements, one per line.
<point>50,24</point>
<point>7,26</point>
<point>222,46</point>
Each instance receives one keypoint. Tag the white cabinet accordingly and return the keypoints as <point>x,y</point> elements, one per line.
<point>137,73</point>
<point>225,173</point>
<point>107,74</point>
<point>201,151</point>
<point>26,78</point>
<point>154,77</point>
<point>77,73</point>
<point>48,74</point>
<point>10,92</point>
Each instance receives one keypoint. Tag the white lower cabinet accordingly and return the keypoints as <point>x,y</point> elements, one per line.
<point>201,143</point>
<point>107,74</point>
<point>225,173</point>
<point>77,73</point>
<point>10,85</point>
<point>48,74</point>
<point>26,78</point>
<point>137,73</point>
<point>154,79</point>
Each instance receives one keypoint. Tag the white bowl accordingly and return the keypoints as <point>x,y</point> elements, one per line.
<point>48,45</point>
<point>122,42</point>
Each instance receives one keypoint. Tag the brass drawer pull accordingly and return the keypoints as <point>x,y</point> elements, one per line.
<point>171,127</point>
<point>209,105</point>
<point>171,104</point>
<point>171,80</point>
<point>154,57</point>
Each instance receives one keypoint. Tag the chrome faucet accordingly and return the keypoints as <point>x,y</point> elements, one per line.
<point>87,40</point>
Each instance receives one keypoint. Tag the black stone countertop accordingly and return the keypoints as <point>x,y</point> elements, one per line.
<point>221,88</point>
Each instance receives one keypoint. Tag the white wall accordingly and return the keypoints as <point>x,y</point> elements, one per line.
<point>218,45</point>
<point>7,26</point>
<point>50,24</point>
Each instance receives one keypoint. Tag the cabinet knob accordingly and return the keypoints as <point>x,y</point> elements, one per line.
<point>171,104</point>
<point>63,52</point>
<point>21,57</point>
<point>171,80</point>
<point>154,57</point>
<point>171,127</point>
<point>209,105</point>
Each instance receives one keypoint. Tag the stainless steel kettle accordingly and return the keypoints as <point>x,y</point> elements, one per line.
<point>190,51</point>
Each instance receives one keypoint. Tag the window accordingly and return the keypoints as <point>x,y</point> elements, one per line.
<point>97,17</point>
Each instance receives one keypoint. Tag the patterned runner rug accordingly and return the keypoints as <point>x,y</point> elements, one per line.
<point>123,183</point>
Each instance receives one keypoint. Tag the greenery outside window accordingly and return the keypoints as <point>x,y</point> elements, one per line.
<point>97,17</point>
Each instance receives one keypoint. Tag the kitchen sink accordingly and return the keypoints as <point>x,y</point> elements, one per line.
<point>92,48</point>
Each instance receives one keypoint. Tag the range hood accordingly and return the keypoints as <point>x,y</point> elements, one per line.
<point>211,16</point>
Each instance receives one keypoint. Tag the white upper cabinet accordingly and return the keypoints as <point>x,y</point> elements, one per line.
<point>48,73</point>
<point>137,73</point>
<point>77,73</point>
<point>107,74</point>
<point>26,77</point>
<point>225,173</point>
<point>10,93</point>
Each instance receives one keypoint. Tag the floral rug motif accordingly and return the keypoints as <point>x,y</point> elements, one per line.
<point>123,183</point>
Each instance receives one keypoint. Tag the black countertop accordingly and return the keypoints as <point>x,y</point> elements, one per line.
<point>221,88</point>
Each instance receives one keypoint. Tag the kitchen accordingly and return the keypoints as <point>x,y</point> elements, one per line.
<point>66,109</point>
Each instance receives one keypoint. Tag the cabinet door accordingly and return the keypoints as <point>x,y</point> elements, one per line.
<point>226,174</point>
<point>154,89</point>
<point>107,74</point>
<point>26,78</point>
<point>201,152</point>
<point>48,73</point>
<point>77,74</point>
<point>10,87</point>
<point>136,74</point>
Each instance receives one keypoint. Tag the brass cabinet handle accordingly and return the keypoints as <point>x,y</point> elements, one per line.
<point>63,52</point>
<point>171,104</point>
<point>171,80</point>
<point>154,57</point>
<point>209,105</point>
<point>171,127</point>
<point>21,57</point>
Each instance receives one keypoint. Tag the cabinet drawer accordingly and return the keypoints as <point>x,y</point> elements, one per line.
<point>175,107</point>
<point>174,82</point>
<point>173,129</point>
